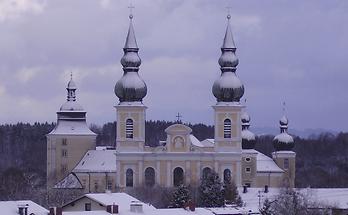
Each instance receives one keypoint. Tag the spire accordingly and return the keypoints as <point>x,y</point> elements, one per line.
<point>284,121</point>
<point>71,88</point>
<point>228,88</point>
<point>283,141</point>
<point>130,88</point>
<point>248,137</point>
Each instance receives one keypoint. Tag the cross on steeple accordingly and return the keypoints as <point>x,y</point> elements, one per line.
<point>179,117</point>
<point>131,7</point>
<point>228,12</point>
<point>284,107</point>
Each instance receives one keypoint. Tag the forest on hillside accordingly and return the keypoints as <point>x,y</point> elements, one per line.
<point>322,161</point>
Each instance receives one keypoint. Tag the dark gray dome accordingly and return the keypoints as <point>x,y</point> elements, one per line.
<point>130,88</point>
<point>283,141</point>
<point>248,137</point>
<point>228,87</point>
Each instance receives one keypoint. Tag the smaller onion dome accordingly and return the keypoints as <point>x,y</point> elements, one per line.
<point>248,137</point>
<point>228,87</point>
<point>130,88</point>
<point>283,141</point>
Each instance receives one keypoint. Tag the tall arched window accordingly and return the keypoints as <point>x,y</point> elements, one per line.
<point>129,178</point>
<point>129,128</point>
<point>178,175</point>
<point>227,128</point>
<point>149,177</point>
<point>227,176</point>
<point>206,171</point>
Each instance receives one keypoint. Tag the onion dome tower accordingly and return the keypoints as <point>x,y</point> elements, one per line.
<point>248,137</point>
<point>228,87</point>
<point>283,141</point>
<point>70,139</point>
<point>130,88</point>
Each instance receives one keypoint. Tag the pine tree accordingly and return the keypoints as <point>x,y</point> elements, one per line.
<point>211,191</point>
<point>181,196</point>
<point>231,194</point>
<point>266,209</point>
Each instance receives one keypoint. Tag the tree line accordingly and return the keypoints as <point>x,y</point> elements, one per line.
<point>322,161</point>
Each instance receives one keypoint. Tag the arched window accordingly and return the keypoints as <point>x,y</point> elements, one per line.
<point>129,178</point>
<point>206,172</point>
<point>227,176</point>
<point>149,177</point>
<point>129,128</point>
<point>178,175</point>
<point>227,128</point>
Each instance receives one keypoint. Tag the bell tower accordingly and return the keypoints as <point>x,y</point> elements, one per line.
<point>228,90</point>
<point>130,90</point>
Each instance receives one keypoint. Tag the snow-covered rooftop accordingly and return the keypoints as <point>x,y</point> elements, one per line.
<point>69,182</point>
<point>69,127</point>
<point>204,143</point>
<point>97,161</point>
<point>11,207</point>
<point>266,164</point>
<point>123,200</point>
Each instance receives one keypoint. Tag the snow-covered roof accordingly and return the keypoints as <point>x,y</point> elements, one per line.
<point>71,106</point>
<point>69,182</point>
<point>332,197</point>
<point>123,200</point>
<point>11,207</point>
<point>248,135</point>
<point>86,213</point>
<point>204,143</point>
<point>266,164</point>
<point>70,127</point>
<point>97,161</point>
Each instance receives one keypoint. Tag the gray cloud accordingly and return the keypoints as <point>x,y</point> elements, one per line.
<point>289,51</point>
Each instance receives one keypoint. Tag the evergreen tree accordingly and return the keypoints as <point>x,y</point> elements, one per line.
<point>231,194</point>
<point>181,196</point>
<point>266,209</point>
<point>211,191</point>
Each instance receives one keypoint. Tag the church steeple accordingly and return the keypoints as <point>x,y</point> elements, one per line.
<point>71,88</point>
<point>130,88</point>
<point>228,88</point>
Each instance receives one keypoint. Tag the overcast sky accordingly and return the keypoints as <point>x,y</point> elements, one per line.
<point>292,51</point>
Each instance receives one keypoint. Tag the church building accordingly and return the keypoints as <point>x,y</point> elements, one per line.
<point>181,158</point>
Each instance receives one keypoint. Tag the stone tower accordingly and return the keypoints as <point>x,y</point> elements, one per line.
<point>68,142</point>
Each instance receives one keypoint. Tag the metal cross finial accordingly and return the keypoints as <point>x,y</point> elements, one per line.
<point>131,7</point>
<point>179,117</point>
<point>284,106</point>
<point>71,75</point>
<point>229,12</point>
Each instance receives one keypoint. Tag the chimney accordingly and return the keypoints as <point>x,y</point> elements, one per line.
<point>23,209</point>
<point>245,189</point>
<point>56,211</point>
<point>113,209</point>
<point>266,188</point>
<point>136,207</point>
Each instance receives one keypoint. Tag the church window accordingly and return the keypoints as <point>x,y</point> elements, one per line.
<point>64,153</point>
<point>247,159</point>
<point>129,128</point>
<point>88,206</point>
<point>96,186</point>
<point>109,185</point>
<point>286,163</point>
<point>206,172</point>
<point>178,175</point>
<point>248,169</point>
<point>129,178</point>
<point>64,141</point>
<point>227,175</point>
<point>227,128</point>
<point>149,177</point>
<point>64,168</point>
